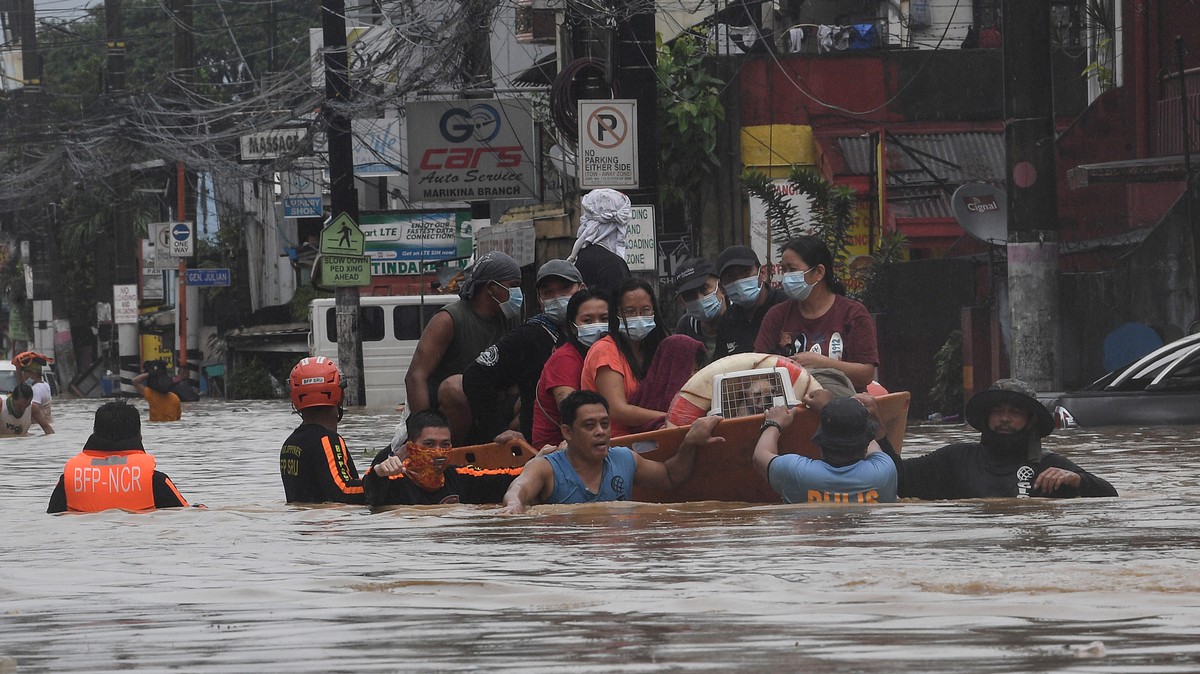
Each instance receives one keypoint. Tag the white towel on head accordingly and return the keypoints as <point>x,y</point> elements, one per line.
<point>605,216</point>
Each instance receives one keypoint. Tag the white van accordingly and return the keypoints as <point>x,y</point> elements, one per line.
<point>390,328</point>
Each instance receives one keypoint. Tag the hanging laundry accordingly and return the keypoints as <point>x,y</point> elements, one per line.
<point>862,36</point>
<point>795,40</point>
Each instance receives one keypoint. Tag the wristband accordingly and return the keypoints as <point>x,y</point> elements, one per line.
<point>769,423</point>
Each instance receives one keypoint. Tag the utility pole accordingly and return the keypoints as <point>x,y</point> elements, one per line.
<point>123,271</point>
<point>185,63</point>
<point>343,196</point>
<point>1033,226</point>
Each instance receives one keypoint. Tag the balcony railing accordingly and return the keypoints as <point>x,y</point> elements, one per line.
<point>1170,114</point>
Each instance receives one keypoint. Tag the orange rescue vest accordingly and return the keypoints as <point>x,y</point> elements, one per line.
<point>96,481</point>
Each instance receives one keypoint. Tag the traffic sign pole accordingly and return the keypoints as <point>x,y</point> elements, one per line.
<point>181,194</point>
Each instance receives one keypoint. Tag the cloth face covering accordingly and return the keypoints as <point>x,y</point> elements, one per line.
<point>426,466</point>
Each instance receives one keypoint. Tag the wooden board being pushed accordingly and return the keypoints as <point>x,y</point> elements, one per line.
<point>726,473</point>
<point>721,474</point>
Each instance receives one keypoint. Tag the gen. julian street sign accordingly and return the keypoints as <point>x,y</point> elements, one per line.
<point>208,277</point>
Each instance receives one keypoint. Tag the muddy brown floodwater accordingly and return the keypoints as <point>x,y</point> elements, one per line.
<point>253,585</point>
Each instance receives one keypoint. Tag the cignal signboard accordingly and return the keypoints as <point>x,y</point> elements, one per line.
<point>474,150</point>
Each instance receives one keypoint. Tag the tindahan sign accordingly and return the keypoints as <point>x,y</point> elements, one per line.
<point>267,145</point>
<point>473,150</point>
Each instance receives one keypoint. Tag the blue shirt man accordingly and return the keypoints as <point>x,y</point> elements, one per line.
<point>588,470</point>
<point>852,467</point>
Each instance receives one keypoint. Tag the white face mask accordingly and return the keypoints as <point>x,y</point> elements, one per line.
<point>795,285</point>
<point>744,292</point>
<point>638,327</point>
<point>589,333</point>
<point>556,308</point>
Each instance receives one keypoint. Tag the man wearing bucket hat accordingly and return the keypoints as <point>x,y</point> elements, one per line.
<point>1008,460</point>
<point>852,467</point>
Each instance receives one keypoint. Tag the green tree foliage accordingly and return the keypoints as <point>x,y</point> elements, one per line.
<point>947,391</point>
<point>689,110</point>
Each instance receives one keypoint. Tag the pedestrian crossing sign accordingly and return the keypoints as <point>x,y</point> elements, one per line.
<point>342,236</point>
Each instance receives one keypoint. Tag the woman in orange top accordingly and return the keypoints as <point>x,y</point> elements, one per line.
<point>617,363</point>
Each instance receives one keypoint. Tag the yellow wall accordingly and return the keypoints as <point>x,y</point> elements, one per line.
<point>773,148</point>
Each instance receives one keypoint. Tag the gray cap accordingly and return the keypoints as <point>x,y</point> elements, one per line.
<point>560,268</point>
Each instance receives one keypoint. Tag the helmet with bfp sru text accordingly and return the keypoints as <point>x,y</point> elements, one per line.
<point>316,382</point>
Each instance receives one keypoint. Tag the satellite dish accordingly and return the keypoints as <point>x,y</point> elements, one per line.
<point>982,210</point>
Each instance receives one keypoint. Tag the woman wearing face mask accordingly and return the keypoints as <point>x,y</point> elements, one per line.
<point>819,327</point>
<point>586,322</point>
<point>698,291</point>
<point>616,365</point>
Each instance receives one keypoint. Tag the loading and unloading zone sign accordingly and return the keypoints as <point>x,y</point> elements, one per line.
<point>608,144</point>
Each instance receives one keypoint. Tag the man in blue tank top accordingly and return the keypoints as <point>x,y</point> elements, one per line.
<point>590,471</point>
<point>852,467</point>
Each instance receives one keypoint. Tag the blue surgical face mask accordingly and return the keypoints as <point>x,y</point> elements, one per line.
<point>795,286</point>
<point>637,327</point>
<point>556,308</point>
<point>512,308</point>
<point>704,309</point>
<point>744,292</point>
<point>590,332</point>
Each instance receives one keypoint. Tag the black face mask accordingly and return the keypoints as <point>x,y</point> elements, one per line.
<point>1021,446</point>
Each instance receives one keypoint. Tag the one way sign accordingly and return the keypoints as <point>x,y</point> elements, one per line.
<point>182,243</point>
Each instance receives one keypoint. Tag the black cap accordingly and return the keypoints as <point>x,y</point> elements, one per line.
<point>693,274</point>
<point>741,256</point>
<point>846,426</point>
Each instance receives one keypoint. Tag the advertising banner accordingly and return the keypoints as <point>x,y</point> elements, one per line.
<point>401,243</point>
<point>471,150</point>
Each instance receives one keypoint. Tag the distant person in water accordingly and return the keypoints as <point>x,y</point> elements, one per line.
<point>29,367</point>
<point>154,384</point>
<point>114,470</point>
<point>1008,460</point>
<point>589,471</point>
<point>16,412</point>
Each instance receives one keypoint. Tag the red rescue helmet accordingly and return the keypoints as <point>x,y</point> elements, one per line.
<point>316,382</point>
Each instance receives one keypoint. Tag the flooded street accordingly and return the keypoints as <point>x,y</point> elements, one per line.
<point>252,585</point>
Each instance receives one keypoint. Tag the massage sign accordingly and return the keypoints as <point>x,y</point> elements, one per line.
<point>471,150</point>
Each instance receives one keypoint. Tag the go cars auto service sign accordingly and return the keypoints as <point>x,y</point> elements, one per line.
<point>471,150</point>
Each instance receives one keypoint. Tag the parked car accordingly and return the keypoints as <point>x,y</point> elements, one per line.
<point>1161,388</point>
<point>8,376</point>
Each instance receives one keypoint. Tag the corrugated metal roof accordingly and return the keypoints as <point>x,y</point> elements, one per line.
<point>953,157</point>
<point>917,163</point>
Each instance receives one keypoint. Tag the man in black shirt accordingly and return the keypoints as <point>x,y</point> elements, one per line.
<point>1008,461</point>
<point>417,472</point>
<point>517,359</point>
<point>747,285</point>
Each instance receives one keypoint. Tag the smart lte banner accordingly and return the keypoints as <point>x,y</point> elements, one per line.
<point>399,243</point>
<point>471,150</point>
